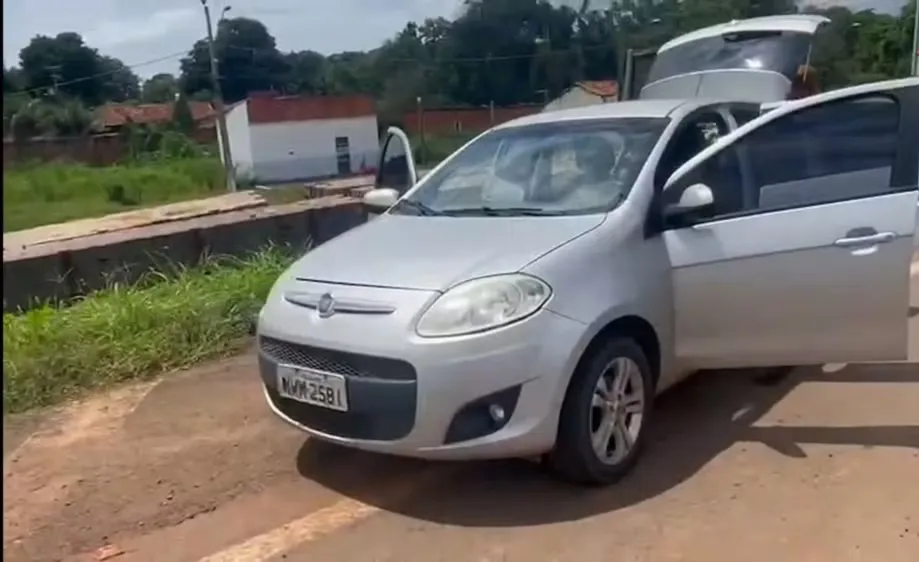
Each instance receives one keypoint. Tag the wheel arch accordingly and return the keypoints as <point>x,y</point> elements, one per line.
<point>630,325</point>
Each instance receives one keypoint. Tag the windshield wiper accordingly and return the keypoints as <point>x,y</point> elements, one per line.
<point>504,212</point>
<point>422,209</point>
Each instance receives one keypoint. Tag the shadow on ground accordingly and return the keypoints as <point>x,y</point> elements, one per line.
<point>695,423</point>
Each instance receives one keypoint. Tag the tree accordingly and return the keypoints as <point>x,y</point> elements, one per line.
<point>160,88</point>
<point>501,51</point>
<point>249,61</point>
<point>12,80</point>
<point>47,61</point>
<point>306,73</point>
<point>121,84</point>
<point>12,104</point>
<point>352,72</point>
<point>65,66</point>
<point>182,117</point>
<point>69,119</point>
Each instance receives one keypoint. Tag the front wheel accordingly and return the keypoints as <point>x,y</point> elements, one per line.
<point>604,416</point>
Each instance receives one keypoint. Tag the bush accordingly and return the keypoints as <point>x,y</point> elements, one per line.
<point>133,332</point>
<point>36,117</point>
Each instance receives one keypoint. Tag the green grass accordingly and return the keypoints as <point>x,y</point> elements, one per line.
<point>124,333</point>
<point>436,149</point>
<point>38,194</point>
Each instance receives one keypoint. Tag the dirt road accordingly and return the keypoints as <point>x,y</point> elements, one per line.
<point>820,466</point>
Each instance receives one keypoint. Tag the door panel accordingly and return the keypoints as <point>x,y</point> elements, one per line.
<point>805,256</point>
<point>776,289</point>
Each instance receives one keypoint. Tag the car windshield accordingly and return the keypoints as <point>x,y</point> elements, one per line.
<point>763,50</point>
<point>562,168</point>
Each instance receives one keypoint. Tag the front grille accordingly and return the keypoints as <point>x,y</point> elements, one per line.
<point>380,412</point>
<point>336,362</point>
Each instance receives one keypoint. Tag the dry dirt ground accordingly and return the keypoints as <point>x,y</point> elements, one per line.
<point>819,466</point>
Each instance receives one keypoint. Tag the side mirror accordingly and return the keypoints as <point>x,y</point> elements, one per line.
<point>380,199</point>
<point>695,201</point>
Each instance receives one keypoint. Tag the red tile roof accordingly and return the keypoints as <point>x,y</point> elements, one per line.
<point>115,115</point>
<point>601,88</point>
<point>280,109</point>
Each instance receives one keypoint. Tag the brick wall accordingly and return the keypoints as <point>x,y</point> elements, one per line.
<point>451,121</point>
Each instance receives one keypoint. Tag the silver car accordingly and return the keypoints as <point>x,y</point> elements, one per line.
<point>534,292</point>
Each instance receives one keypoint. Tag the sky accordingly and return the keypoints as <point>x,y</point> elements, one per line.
<point>139,31</point>
<point>145,30</point>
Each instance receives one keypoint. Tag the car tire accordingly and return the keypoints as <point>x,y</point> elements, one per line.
<point>575,457</point>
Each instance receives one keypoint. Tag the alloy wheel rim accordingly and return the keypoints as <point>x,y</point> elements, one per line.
<point>617,410</point>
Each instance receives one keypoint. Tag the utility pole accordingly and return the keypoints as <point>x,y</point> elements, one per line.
<point>424,148</point>
<point>916,39</point>
<point>55,72</point>
<point>218,102</point>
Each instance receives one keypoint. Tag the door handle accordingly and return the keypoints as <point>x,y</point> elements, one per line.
<point>868,240</point>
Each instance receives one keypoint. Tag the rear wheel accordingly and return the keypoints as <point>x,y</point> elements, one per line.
<point>605,414</point>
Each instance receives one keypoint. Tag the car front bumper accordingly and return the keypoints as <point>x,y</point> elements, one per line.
<point>427,398</point>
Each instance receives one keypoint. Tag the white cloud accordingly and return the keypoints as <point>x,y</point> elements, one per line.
<point>113,33</point>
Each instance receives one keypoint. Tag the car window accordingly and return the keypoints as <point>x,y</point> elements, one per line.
<point>742,115</point>
<point>821,154</point>
<point>569,167</point>
<point>693,136</point>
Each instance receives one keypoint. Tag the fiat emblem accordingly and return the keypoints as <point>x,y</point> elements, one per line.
<point>326,305</point>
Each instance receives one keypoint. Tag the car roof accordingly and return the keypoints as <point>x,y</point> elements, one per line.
<point>633,108</point>
<point>802,23</point>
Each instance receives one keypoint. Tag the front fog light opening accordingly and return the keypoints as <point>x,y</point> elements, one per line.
<point>483,416</point>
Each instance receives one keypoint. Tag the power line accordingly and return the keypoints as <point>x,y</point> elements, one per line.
<point>421,61</point>
<point>101,74</point>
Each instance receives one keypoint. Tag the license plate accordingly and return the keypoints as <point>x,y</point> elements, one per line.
<point>317,389</point>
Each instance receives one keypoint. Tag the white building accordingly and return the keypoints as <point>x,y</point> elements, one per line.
<point>275,139</point>
<point>585,93</point>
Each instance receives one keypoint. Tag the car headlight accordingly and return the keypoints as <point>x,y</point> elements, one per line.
<point>482,304</point>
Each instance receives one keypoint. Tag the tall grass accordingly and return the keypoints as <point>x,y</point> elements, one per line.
<point>39,194</point>
<point>131,332</point>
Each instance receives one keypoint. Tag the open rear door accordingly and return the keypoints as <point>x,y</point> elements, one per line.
<point>754,60</point>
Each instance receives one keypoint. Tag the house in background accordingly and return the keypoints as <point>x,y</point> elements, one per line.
<point>585,93</point>
<point>112,117</point>
<point>276,139</point>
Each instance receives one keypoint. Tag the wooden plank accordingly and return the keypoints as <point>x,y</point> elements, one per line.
<point>20,240</point>
<point>201,222</point>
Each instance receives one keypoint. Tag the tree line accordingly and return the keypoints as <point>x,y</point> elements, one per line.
<point>497,51</point>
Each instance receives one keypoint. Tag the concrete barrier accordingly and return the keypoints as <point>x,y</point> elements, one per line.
<point>70,268</point>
